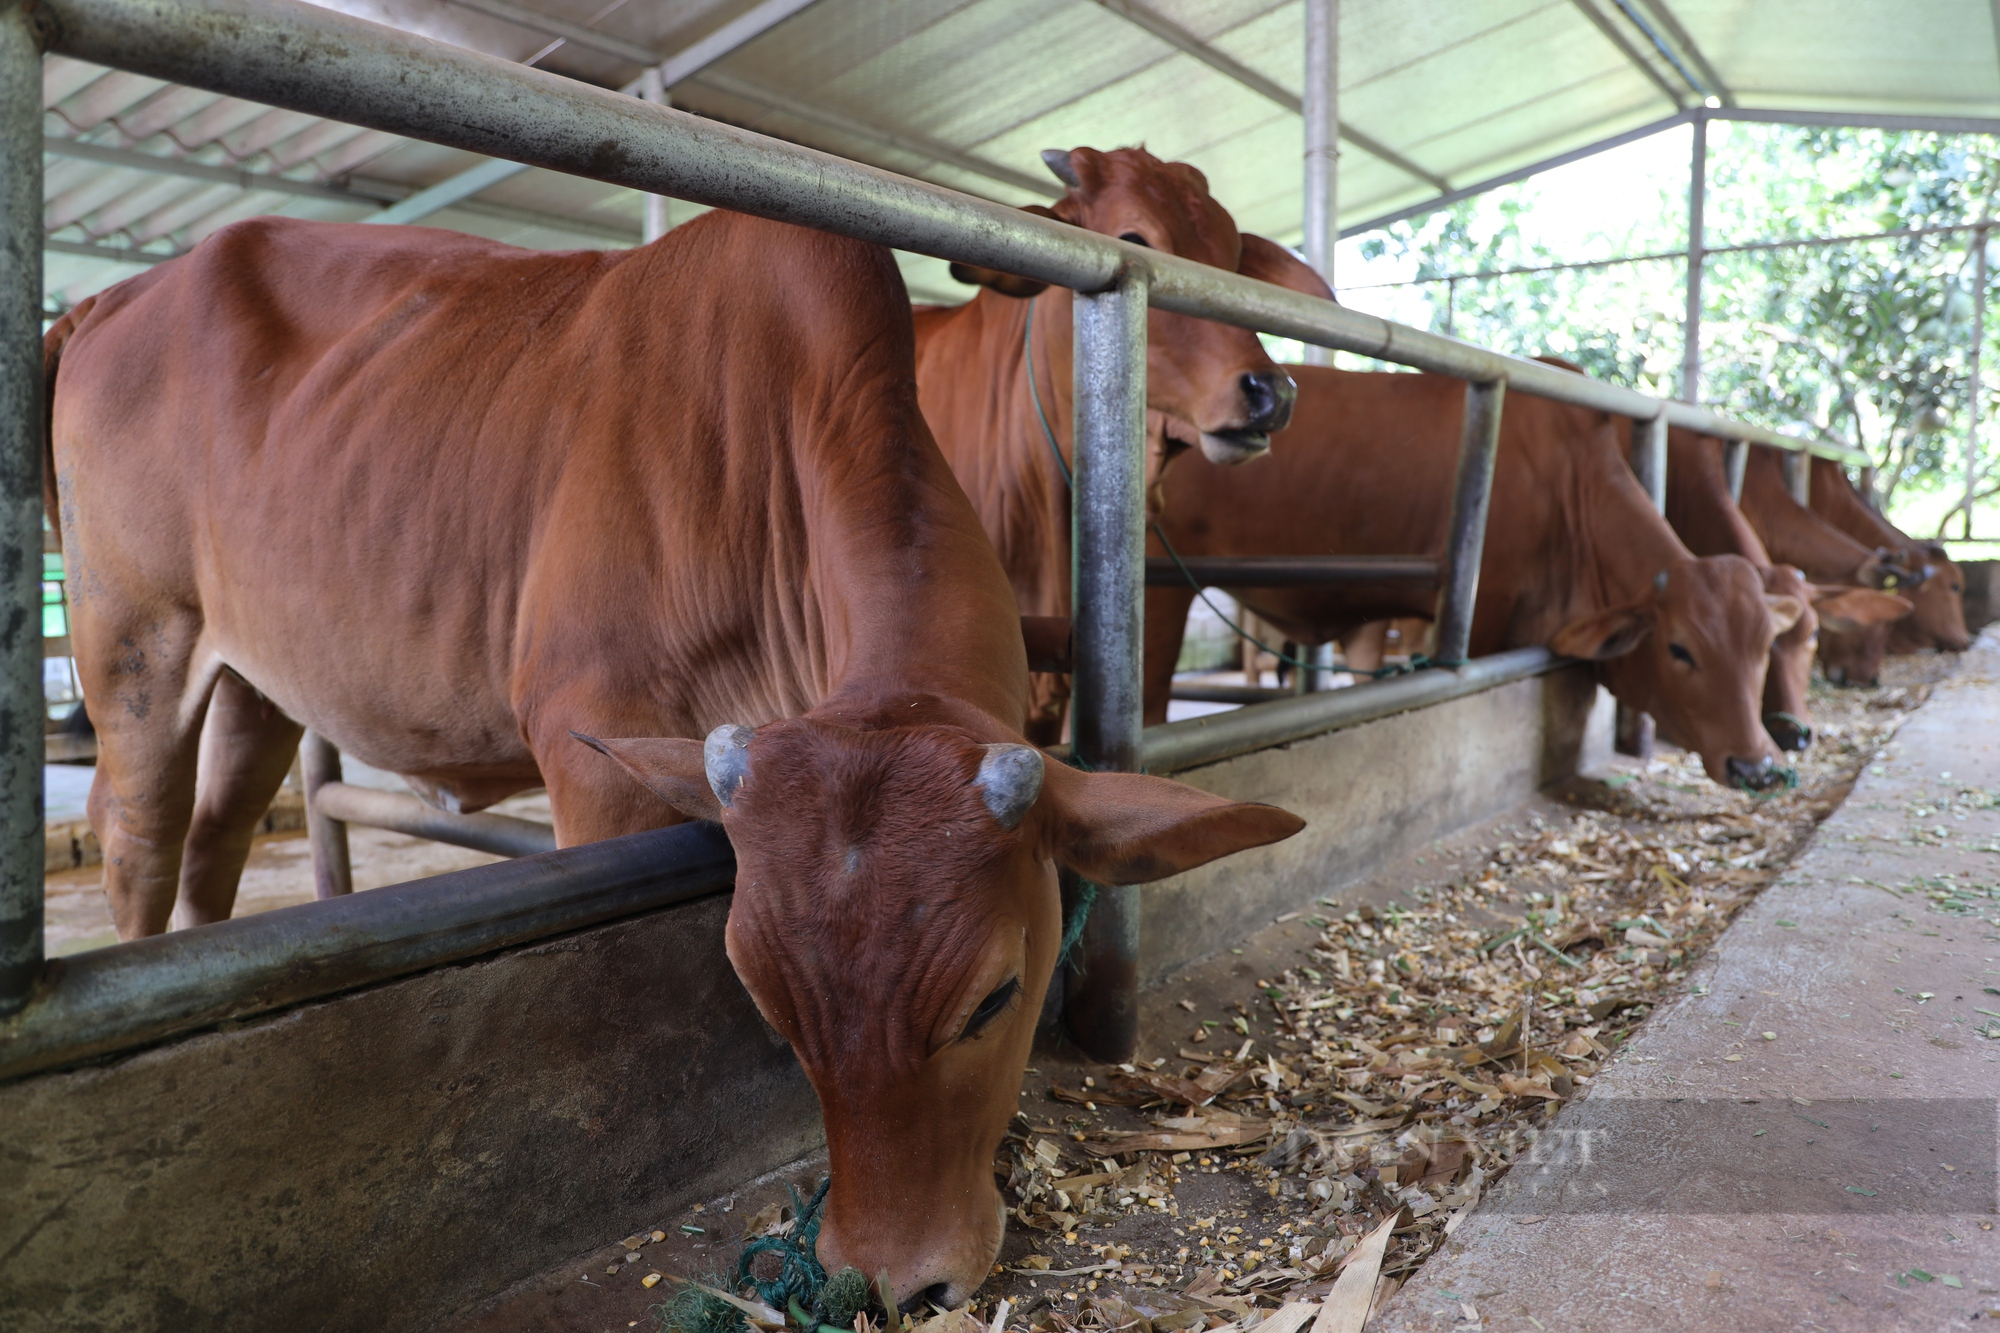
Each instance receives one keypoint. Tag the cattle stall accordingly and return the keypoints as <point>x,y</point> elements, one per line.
<point>61,1015</point>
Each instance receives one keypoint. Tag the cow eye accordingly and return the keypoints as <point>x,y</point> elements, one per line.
<point>1681,655</point>
<point>1136,239</point>
<point>999,1002</point>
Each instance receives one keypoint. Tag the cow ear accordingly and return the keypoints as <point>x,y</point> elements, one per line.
<point>1785,611</point>
<point>673,768</point>
<point>1845,610</point>
<point>1267,261</point>
<point>1605,634</point>
<point>1007,284</point>
<point>1127,828</point>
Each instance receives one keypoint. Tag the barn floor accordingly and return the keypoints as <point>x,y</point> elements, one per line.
<point>1186,1238</point>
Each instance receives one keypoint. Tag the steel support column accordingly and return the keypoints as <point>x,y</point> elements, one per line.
<point>653,219</point>
<point>1633,730</point>
<point>1973,385</point>
<point>1108,609</point>
<point>1322,145</point>
<point>22,712</point>
<point>1697,205</point>
<point>333,872</point>
<point>1479,443</point>
<point>1798,476</point>
<point>1736,457</point>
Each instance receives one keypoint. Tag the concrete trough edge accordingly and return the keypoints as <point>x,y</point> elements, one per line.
<point>142,991</point>
<point>1175,747</point>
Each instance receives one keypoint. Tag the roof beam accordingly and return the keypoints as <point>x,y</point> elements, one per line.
<point>362,193</point>
<point>1666,18</point>
<point>1630,52</point>
<point>921,145</point>
<point>729,37</point>
<point>116,253</point>
<point>1180,38</point>
<point>1688,76</point>
<point>1863,120</point>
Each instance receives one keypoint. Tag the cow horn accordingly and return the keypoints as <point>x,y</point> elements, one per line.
<point>726,758</point>
<point>1057,161</point>
<point>1010,778</point>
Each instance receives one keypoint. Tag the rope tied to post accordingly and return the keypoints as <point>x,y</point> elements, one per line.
<point>1417,662</point>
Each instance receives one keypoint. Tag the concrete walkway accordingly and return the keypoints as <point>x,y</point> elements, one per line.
<point>1806,1140</point>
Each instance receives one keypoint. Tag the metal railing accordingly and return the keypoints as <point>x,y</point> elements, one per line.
<point>302,58</point>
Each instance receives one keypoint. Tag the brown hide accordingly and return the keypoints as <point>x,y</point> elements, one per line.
<point>1708,521</point>
<point>448,502</point>
<point>1850,654</point>
<point>1938,620</point>
<point>973,367</point>
<point>1573,551</point>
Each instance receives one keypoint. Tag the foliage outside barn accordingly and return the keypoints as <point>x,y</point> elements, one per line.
<point>1866,341</point>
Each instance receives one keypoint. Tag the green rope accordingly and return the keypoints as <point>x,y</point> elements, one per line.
<point>800,1277</point>
<point>1417,662</point>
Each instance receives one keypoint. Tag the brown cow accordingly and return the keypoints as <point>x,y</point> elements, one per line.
<point>1850,652</point>
<point>1705,517</point>
<point>1939,618</point>
<point>1576,557</point>
<point>447,502</point>
<point>1206,383</point>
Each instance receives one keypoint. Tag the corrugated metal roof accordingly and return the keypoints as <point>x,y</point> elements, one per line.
<point>967,93</point>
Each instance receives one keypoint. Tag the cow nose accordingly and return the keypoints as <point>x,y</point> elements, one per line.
<point>1789,732</point>
<point>1759,774</point>
<point>1268,396</point>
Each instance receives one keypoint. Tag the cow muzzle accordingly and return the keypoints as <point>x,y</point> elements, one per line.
<point>1788,732</point>
<point>1268,396</point>
<point>1759,774</point>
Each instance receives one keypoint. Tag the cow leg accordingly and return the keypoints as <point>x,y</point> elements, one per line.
<point>1166,628</point>
<point>148,707</point>
<point>247,746</point>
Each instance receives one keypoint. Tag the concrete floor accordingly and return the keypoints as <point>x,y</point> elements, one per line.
<point>1806,1140</point>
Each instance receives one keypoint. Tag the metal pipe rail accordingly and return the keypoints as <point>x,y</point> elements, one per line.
<point>1289,571</point>
<point>303,58</point>
<point>399,812</point>
<point>142,991</point>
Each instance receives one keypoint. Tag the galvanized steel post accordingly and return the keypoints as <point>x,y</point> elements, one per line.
<point>1735,457</point>
<point>23,714</point>
<point>333,872</point>
<point>1973,386</point>
<point>1798,475</point>
<point>653,216</point>
<point>1322,148</point>
<point>1697,204</point>
<point>1471,498</point>
<point>1649,459</point>
<point>1108,573</point>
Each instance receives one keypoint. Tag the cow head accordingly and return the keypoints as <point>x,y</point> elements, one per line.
<point>1212,383</point>
<point>1937,619</point>
<point>1786,716</point>
<point>1693,652</point>
<point>896,918</point>
<point>1856,625</point>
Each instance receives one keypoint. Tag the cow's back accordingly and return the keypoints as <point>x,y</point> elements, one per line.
<point>419,485</point>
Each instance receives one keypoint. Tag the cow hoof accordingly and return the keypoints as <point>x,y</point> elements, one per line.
<point>1787,731</point>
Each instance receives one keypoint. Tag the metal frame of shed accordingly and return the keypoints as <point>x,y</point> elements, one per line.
<point>288,54</point>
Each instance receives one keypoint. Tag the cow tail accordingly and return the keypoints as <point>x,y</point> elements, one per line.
<point>52,350</point>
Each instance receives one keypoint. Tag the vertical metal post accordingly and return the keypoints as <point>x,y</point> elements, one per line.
<point>333,872</point>
<point>1108,609</point>
<point>1634,730</point>
<point>23,716</point>
<point>1797,466</point>
<point>1478,444</point>
<point>1649,459</point>
<point>1320,677</point>
<point>1322,147</point>
<point>1973,386</point>
<point>1865,483</point>
<point>653,221</point>
<point>1697,241</point>
<point>1735,457</point>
